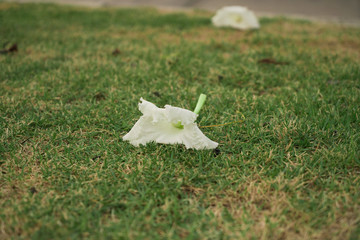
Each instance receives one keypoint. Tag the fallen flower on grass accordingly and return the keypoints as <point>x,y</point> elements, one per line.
<point>236,17</point>
<point>169,125</point>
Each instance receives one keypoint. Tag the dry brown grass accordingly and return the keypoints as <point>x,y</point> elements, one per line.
<point>256,210</point>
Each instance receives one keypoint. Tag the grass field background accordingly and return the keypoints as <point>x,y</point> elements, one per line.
<point>290,170</point>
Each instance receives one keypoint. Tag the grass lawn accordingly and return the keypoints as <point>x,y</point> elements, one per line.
<point>290,170</point>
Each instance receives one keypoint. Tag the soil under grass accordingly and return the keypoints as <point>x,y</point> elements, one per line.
<point>69,93</point>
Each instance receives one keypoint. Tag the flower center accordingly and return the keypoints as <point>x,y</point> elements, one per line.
<point>178,125</point>
<point>238,19</point>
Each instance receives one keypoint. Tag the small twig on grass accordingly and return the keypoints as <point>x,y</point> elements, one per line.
<point>25,141</point>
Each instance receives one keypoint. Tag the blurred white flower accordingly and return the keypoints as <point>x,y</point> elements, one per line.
<point>235,17</point>
<point>169,125</point>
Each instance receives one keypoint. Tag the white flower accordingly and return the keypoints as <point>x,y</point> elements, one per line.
<point>236,17</point>
<point>169,125</point>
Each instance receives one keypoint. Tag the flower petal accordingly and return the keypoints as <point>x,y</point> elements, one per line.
<point>176,114</point>
<point>151,110</point>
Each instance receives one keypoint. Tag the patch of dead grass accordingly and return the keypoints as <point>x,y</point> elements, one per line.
<point>6,5</point>
<point>16,190</point>
<point>264,212</point>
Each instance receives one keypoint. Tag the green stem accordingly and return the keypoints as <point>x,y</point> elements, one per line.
<point>200,103</point>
